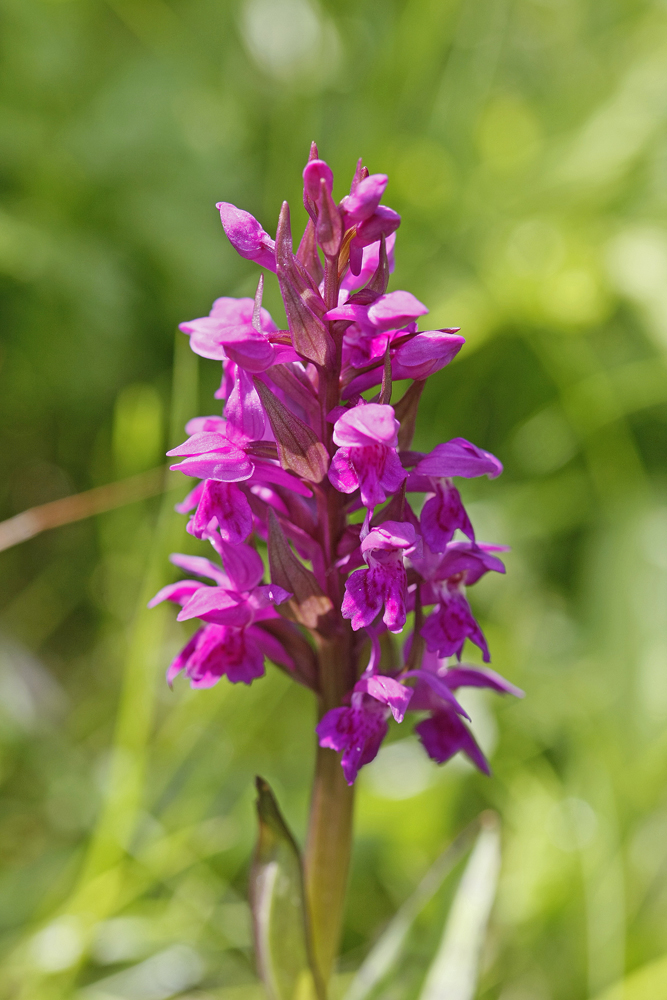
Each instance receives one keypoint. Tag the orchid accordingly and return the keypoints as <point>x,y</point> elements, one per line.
<point>300,460</point>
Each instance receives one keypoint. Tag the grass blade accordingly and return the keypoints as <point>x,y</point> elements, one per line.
<point>387,950</point>
<point>455,969</point>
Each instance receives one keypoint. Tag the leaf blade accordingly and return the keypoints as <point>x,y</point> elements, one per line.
<point>278,902</point>
<point>454,972</point>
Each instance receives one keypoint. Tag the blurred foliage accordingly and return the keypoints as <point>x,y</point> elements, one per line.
<point>526,143</point>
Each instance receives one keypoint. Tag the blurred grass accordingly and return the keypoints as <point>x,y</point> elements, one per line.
<point>526,145</point>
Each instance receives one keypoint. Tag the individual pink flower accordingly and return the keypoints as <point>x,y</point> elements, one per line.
<point>228,333</point>
<point>413,355</point>
<point>230,645</point>
<point>211,452</point>
<point>444,513</point>
<point>367,459</point>
<point>383,586</point>
<point>357,730</point>
<point>452,622</point>
<point>445,733</point>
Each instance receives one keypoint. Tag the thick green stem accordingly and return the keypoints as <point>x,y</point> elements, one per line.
<point>328,857</point>
<point>330,828</point>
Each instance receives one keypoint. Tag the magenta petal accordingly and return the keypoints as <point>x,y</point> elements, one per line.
<point>364,598</point>
<point>252,355</point>
<point>223,650</point>
<point>467,558</point>
<point>342,473</point>
<point>425,354</point>
<point>181,661</point>
<point>244,411</point>
<point>223,505</point>
<point>200,567</point>
<point>265,472</point>
<point>443,735</point>
<point>439,687</point>
<point>388,691</point>
<point>206,425</point>
<point>179,593</point>
<point>395,309</point>
<point>234,312</point>
<point>204,339</point>
<point>243,564</point>
<point>368,260</point>
<point>459,457</point>
<point>248,663</point>
<point>456,677</point>
<point>357,731</point>
<point>449,625</point>
<point>224,466</point>
<point>202,443</point>
<point>373,423</point>
<point>441,516</point>
<point>380,473</point>
<point>356,260</point>
<point>389,536</point>
<point>382,222</point>
<point>350,312</point>
<point>267,595</point>
<point>383,586</point>
<point>217,605</point>
<point>376,469</point>
<point>365,198</point>
<point>247,236</point>
<point>314,173</point>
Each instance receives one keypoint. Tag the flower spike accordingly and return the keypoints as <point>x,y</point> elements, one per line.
<point>299,460</point>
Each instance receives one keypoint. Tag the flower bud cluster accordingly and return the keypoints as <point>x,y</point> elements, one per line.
<point>300,459</point>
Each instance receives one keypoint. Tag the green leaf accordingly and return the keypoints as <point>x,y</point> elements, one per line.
<point>455,969</point>
<point>387,950</point>
<point>278,903</point>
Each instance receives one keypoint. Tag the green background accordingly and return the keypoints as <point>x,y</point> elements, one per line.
<point>526,144</point>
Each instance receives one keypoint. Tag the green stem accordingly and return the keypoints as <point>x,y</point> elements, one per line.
<point>328,857</point>
<point>329,842</point>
